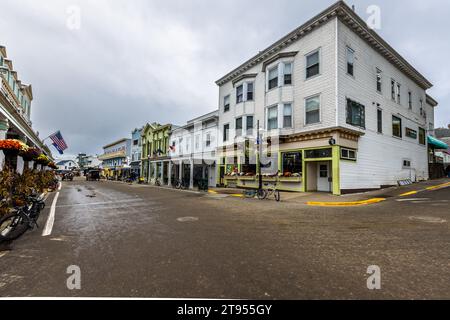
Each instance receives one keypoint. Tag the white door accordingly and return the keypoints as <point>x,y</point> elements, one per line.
<point>323,177</point>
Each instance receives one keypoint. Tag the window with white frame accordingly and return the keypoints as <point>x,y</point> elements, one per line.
<point>273,78</point>
<point>250,91</point>
<point>312,64</point>
<point>312,110</point>
<point>208,139</point>
<point>393,89</point>
<point>287,115</point>
<point>226,103</point>
<point>239,127</point>
<point>410,100</point>
<point>197,142</point>
<point>272,118</point>
<point>348,154</point>
<point>226,132</point>
<point>249,126</point>
<point>379,80</point>
<point>240,93</point>
<point>287,74</point>
<point>356,114</point>
<point>406,163</point>
<point>398,93</point>
<point>350,61</point>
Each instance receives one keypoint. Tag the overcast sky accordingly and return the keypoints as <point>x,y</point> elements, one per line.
<point>139,61</point>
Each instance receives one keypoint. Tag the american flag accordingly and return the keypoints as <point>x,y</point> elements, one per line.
<point>58,141</point>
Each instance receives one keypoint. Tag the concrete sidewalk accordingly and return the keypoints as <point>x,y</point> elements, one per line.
<point>351,199</point>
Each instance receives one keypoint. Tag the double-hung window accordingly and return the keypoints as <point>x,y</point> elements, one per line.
<point>240,94</point>
<point>249,126</point>
<point>312,110</point>
<point>312,64</point>
<point>399,93</point>
<point>250,91</point>
<point>380,120</point>
<point>226,132</point>
<point>410,100</point>
<point>272,118</point>
<point>273,78</point>
<point>226,103</point>
<point>287,74</point>
<point>287,115</point>
<point>356,114</point>
<point>396,127</point>
<point>350,61</point>
<point>379,80</point>
<point>422,139</point>
<point>393,90</point>
<point>208,140</point>
<point>239,127</point>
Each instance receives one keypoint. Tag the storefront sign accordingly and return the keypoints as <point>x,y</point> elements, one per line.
<point>318,153</point>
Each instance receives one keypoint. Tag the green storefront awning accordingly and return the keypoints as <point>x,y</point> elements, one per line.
<point>436,143</point>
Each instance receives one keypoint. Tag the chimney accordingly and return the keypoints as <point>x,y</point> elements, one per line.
<point>448,126</point>
<point>353,8</point>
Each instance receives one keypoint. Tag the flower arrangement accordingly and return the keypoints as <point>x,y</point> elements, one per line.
<point>53,166</point>
<point>31,154</point>
<point>13,145</point>
<point>43,159</point>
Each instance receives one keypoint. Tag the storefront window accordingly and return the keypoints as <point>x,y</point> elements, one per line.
<point>292,163</point>
<point>318,153</point>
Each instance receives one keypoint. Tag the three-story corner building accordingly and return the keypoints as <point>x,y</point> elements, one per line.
<point>192,151</point>
<point>341,110</point>
<point>136,151</point>
<point>155,152</point>
<point>15,106</point>
<point>116,158</point>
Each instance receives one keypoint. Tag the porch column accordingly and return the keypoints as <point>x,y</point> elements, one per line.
<point>191,177</point>
<point>4,127</point>
<point>180,172</point>
<point>161,174</point>
<point>155,171</point>
<point>169,172</point>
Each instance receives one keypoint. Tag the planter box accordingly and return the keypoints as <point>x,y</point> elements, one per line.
<point>291,179</point>
<point>248,178</point>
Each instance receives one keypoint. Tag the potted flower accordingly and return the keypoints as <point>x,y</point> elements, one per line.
<point>13,147</point>
<point>31,154</point>
<point>42,159</point>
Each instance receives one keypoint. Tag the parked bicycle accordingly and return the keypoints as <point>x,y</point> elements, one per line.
<point>181,184</point>
<point>158,182</point>
<point>269,191</point>
<point>21,219</point>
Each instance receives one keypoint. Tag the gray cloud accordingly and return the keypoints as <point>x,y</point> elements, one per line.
<point>138,61</point>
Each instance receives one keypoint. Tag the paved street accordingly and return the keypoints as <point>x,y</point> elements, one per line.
<point>140,241</point>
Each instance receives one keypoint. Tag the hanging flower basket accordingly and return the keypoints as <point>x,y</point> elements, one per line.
<point>31,154</point>
<point>52,165</point>
<point>13,147</point>
<point>43,160</point>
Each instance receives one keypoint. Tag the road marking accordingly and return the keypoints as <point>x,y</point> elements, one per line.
<point>413,199</point>
<point>346,204</point>
<point>59,186</point>
<point>439,186</point>
<point>51,218</point>
<point>408,194</point>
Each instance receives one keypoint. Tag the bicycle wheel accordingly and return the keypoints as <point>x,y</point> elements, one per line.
<point>277,195</point>
<point>12,226</point>
<point>262,194</point>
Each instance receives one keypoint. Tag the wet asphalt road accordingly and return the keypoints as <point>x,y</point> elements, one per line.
<point>129,241</point>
